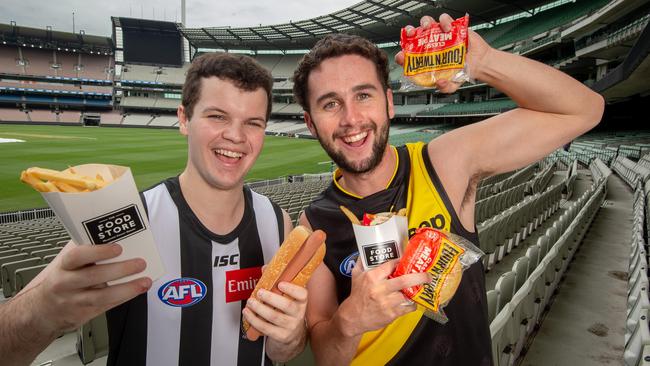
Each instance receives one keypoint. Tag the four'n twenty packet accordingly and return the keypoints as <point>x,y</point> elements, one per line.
<point>432,54</point>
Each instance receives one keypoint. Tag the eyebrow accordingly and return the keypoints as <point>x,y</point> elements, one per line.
<point>214,109</point>
<point>217,109</point>
<point>356,88</point>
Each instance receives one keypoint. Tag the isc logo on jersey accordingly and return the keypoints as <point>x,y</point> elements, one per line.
<point>348,263</point>
<point>182,292</point>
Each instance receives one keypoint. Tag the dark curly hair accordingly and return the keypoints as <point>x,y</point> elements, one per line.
<point>333,46</point>
<point>246,73</point>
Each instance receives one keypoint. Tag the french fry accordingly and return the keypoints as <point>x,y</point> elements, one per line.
<point>402,212</point>
<point>74,180</point>
<point>51,187</point>
<point>48,180</point>
<point>351,216</point>
<point>65,187</point>
<point>33,181</point>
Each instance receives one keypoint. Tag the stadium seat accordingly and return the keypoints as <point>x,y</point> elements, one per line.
<point>634,312</point>
<point>533,257</point>
<point>12,258</point>
<point>520,268</point>
<point>8,252</point>
<point>538,288</point>
<point>492,296</point>
<point>49,258</point>
<point>32,248</point>
<point>25,245</point>
<point>45,252</point>
<point>638,340</point>
<point>26,274</point>
<point>522,307</point>
<point>92,339</point>
<point>505,287</point>
<point>501,337</point>
<point>551,276</point>
<point>8,270</point>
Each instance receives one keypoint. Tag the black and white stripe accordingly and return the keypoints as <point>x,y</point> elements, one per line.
<point>208,332</point>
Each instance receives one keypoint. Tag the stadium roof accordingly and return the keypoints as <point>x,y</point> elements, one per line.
<point>14,34</point>
<point>378,20</point>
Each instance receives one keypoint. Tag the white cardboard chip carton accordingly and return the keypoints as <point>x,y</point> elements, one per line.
<point>380,243</point>
<point>111,214</point>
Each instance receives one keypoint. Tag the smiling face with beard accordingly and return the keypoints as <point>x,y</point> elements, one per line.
<point>350,112</point>
<point>358,166</point>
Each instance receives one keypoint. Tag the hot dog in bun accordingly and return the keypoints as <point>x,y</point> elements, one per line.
<point>298,257</point>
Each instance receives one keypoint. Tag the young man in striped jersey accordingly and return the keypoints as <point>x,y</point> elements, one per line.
<point>213,235</point>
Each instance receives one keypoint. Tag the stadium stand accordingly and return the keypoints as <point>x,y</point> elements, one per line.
<point>480,108</point>
<point>137,119</point>
<point>531,223</point>
<point>12,115</point>
<point>112,118</point>
<point>166,121</point>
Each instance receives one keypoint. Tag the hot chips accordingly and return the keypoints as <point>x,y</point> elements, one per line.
<point>350,215</point>
<point>48,180</point>
<point>371,219</point>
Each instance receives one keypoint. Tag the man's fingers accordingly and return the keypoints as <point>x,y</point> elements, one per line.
<point>407,280</point>
<point>83,255</point>
<point>358,267</point>
<point>296,292</point>
<point>266,313</point>
<point>111,296</point>
<point>426,21</point>
<point>445,22</point>
<point>446,86</point>
<point>386,268</point>
<point>399,58</point>
<point>410,30</point>
<point>258,323</point>
<point>98,274</point>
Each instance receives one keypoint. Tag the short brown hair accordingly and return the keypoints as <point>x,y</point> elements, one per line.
<point>246,73</point>
<point>333,46</point>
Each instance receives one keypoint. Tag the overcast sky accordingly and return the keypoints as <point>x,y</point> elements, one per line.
<point>94,16</point>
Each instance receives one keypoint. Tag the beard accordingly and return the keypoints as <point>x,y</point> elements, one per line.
<point>366,165</point>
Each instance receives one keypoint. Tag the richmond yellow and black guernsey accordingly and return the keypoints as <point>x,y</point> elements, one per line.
<point>412,339</point>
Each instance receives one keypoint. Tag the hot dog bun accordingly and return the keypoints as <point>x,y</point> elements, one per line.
<point>428,79</point>
<point>298,257</point>
<point>451,283</point>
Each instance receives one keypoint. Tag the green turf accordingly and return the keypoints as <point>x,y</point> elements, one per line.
<point>152,154</point>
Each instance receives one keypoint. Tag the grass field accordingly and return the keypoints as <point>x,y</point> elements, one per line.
<point>152,154</point>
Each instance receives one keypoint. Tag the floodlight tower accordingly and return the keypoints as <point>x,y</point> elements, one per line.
<point>183,12</point>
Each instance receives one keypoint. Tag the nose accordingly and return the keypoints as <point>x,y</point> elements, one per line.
<point>352,114</point>
<point>234,132</point>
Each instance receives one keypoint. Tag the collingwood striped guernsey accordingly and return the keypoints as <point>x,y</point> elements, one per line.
<point>192,314</point>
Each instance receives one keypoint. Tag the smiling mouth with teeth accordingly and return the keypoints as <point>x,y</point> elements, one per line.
<point>228,153</point>
<point>354,138</point>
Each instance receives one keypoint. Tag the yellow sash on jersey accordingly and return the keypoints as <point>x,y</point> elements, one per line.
<point>425,207</point>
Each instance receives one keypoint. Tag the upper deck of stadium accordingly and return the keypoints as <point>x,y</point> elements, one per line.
<point>377,20</point>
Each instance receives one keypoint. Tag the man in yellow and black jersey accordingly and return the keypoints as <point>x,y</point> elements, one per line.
<point>361,318</point>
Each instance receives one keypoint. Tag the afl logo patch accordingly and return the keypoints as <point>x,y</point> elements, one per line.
<point>182,292</point>
<point>348,263</point>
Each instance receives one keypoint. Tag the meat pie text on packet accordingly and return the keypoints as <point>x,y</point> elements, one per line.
<point>432,54</point>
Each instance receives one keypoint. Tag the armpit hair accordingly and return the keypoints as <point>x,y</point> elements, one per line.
<point>474,180</point>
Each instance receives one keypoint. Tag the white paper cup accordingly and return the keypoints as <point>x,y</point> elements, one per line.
<point>380,243</point>
<point>111,214</point>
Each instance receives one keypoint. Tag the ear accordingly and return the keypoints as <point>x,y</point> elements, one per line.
<point>310,124</point>
<point>389,103</point>
<point>182,120</point>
